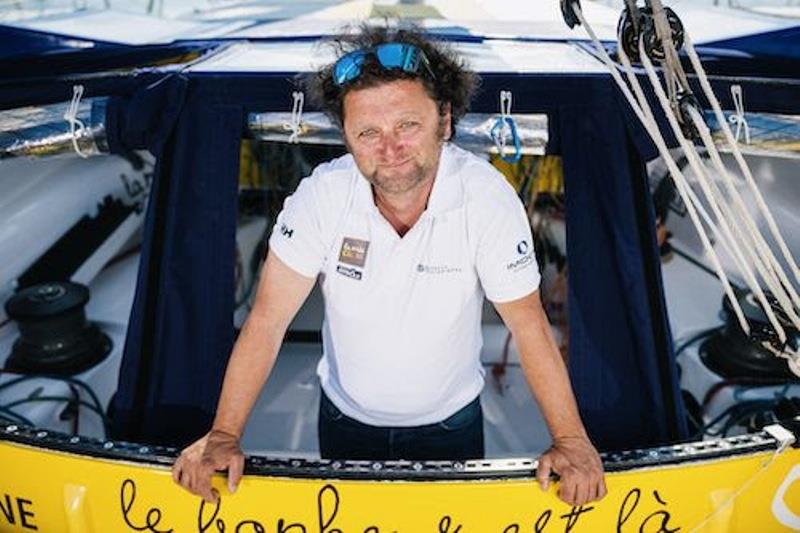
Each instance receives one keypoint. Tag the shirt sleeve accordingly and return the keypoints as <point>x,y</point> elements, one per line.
<point>297,234</point>
<point>506,261</point>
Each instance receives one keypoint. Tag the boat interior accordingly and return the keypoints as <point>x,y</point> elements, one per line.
<point>75,399</point>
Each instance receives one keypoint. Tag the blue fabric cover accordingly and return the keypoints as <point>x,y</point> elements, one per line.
<point>783,44</point>
<point>19,42</point>
<point>181,330</point>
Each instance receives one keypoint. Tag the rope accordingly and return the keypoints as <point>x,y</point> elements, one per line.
<point>763,249</point>
<point>773,227</point>
<point>743,242</point>
<point>295,125</point>
<point>700,172</point>
<point>766,274</point>
<point>71,116</point>
<point>504,126</point>
<point>770,269</point>
<point>680,181</point>
<point>738,118</point>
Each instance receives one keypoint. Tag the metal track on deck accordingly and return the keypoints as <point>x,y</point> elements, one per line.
<point>393,470</point>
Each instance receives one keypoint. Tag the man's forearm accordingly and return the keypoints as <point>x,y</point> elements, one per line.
<point>249,367</point>
<point>572,455</point>
<point>542,364</point>
<point>548,379</point>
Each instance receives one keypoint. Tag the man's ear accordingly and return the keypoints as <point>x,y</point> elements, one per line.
<point>445,115</point>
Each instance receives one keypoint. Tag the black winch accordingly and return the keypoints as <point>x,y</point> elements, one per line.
<point>55,337</point>
<point>733,354</point>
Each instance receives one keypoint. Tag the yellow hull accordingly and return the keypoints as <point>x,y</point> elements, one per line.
<point>56,485</point>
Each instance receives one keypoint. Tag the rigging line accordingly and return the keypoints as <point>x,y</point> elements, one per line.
<point>628,69</point>
<point>685,189</point>
<point>25,377</point>
<point>702,78</point>
<point>702,178</point>
<point>680,181</point>
<point>682,188</point>
<point>685,255</point>
<point>778,290</point>
<point>664,33</point>
<point>635,13</point>
<point>744,214</point>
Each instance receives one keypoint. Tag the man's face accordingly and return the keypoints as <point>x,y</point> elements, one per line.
<point>395,134</point>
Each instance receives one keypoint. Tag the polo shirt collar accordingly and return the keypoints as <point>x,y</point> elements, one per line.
<point>447,192</point>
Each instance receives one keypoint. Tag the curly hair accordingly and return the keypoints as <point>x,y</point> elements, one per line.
<point>453,82</point>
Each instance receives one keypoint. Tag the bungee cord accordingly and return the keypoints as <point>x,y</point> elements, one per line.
<point>655,32</point>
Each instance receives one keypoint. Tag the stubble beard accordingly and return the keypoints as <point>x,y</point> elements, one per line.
<point>412,179</point>
<point>416,177</point>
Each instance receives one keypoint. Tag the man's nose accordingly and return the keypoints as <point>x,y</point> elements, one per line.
<point>390,145</point>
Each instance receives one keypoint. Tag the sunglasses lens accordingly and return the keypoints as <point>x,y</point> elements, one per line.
<point>348,67</point>
<point>397,55</point>
<point>390,56</point>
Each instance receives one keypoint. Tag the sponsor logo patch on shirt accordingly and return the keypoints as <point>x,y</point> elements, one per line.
<point>437,269</point>
<point>348,271</point>
<point>353,252</point>
<point>527,259</point>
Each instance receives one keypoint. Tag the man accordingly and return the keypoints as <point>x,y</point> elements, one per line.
<point>407,234</point>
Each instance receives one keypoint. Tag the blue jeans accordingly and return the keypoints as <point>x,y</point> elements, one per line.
<point>459,436</point>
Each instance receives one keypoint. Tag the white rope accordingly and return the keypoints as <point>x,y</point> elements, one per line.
<point>505,115</point>
<point>772,273</point>
<point>673,70</point>
<point>768,275</point>
<point>738,118</point>
<point>295,125</point>
<point>763,259</point>
<point>634,82</point>
<point>725,236</point>
<point>782,289</point>
<point>677,176</point>
<point>71,116</point>
<point>773,227</point>
<point>784,286</point>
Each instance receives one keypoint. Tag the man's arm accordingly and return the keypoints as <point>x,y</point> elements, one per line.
<point>572,455</point>
<point>281,292</point>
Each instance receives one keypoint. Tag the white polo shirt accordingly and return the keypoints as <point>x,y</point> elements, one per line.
<point>402,329</point>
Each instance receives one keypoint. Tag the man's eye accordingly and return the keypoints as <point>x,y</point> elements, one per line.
<point>409,124</point>
<point>368,134</point>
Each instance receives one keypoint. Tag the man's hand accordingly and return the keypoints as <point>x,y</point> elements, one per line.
<point>216,451</point>
<point>578,464</point>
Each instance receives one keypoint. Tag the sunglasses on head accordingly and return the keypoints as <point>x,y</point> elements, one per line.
<point>406,57</point>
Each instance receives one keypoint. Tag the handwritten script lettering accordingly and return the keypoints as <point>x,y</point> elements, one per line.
<point>629,504</point>
<point>127,497</point>
<point>634,514</point>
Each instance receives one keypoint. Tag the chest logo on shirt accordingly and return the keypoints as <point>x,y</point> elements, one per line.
<point>350,272</point>
<point>353,252</point>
